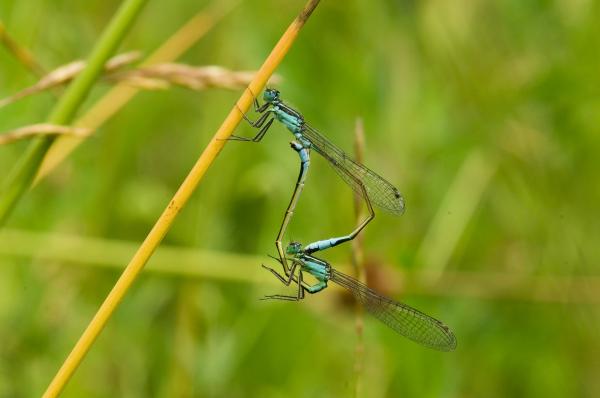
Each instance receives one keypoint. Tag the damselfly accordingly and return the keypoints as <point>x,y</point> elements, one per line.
<point>382,193</point>
<point>407,321</point>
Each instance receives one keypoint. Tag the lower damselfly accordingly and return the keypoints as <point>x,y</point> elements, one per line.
<point>407,321</point>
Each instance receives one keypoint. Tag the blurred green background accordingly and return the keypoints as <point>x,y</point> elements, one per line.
<point>486,115</point>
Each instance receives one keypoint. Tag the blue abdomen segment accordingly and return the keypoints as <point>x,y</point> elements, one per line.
<point>302,152</point>
<point>324,244</point>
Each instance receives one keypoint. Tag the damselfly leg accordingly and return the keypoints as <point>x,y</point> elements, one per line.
<point>332,242</point>
<point>259,123</point>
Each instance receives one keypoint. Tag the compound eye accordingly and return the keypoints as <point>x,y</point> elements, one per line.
<point>293,247</point>
<point>269,95</point>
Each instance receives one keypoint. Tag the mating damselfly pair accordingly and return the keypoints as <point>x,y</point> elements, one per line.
<point>374,189</point>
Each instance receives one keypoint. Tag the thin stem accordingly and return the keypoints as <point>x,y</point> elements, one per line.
<point>22,54</point>
<point>358,264</point>
<point>23,173</point>
<point>181,197</point>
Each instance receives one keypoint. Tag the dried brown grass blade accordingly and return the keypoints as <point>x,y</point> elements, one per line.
<point>193,77</point>
<point>36,130</point>
<point>65,73</point>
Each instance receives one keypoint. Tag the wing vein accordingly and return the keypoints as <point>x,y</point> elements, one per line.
<point>405,320</point>
<point>381,192</point>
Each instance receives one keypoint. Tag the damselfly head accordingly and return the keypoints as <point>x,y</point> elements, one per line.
<point>271,95</point>
<point>293,248</point>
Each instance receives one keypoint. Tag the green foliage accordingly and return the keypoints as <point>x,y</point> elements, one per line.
<point>436,82</point>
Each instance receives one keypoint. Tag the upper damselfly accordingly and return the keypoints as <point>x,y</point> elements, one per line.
<point>380,192</point>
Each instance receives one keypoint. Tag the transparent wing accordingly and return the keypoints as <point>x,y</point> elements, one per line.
<point>380,191</point>
<point>405,320</point>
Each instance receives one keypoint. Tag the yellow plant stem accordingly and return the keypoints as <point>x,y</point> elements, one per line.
<point>179,200</point>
